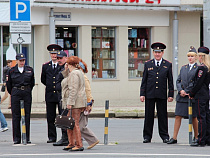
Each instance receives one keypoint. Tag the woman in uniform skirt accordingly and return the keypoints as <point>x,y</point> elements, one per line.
<point>200,92</point>
<point>184,83</point>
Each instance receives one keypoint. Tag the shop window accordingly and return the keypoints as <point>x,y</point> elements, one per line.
<point>138,50</point>
<point>103,52</point>
<point>67,38</point>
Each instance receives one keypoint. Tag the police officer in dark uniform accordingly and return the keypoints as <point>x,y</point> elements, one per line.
<point>61,58</point>
<point>48,78</point>
<point>157,73</point>
<point>200,92</point>
<point>20,83</point>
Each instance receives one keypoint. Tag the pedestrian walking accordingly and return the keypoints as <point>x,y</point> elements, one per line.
<point>5,72</point>
<point>86,132</point>
<point>157,73</point>
<point>19,85</point>
<point>200,92</point>
<point>74,98</point>
<point>3,121</point>
<point>48,77</point>
<point>184,84</point>
<point>61,58</point>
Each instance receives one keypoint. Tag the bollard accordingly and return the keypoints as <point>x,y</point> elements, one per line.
<point>106,122</point>
<point>23,122</point>
<point>190,120</point>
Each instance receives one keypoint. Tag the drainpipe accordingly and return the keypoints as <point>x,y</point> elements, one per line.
<point>206,23</point>
<point>175,49</point>
<point>52,27</point>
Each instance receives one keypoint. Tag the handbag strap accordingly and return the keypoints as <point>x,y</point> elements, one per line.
<point>70,113</point>
<point>64,111</point>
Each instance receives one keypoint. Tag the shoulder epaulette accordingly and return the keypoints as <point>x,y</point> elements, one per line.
<point>167,60</point>
<point>11,70</point>
<point>29,67</point>
<point>46,63</point>
<point>185,65</point>
<point>148,60</point>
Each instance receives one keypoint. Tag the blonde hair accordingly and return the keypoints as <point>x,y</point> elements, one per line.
<point>191,54</point>
<point>205,60</point>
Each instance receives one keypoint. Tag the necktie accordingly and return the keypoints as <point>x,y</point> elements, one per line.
<point>189,67</point>
<point>53,66</point>
<point>158,64</point>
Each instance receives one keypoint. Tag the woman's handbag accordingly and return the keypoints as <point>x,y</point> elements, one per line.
<point>62,121</point>
<point>3,88</point>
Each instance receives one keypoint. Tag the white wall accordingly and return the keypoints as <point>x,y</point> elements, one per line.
<point>122,87</point>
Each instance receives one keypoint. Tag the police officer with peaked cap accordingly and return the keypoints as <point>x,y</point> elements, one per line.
<point>20,82</point>
<point>157,73</point>
<point>200,92</point>
<point>61,58</point>
<point>48,78</point>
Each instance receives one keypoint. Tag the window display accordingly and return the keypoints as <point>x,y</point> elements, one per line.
<point>138,50</point>
<point>67,38</point>
<point>103,52</point>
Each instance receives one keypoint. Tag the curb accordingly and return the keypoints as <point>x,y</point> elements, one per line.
<point>100,115</point>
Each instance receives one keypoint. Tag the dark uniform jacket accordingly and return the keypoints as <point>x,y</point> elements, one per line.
<point>185,81</point>
<point>200,89</point>
<point>154,81</point>
<point>48,78</point>
<point>59,78</point>
<point>17,79</point>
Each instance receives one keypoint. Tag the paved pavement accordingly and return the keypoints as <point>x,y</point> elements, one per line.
<point>125,138</point>
<point>117,108</point>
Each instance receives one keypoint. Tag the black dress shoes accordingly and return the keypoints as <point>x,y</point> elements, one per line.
<point>172,141</point>
<point>197,145</point>
<point>28,142</point>
<point>61,142</point>
<point>194,140</point>
<point>51,141</point>
<point>77,149</point>
<point>68,148</point>
<point>146,141</point>
<point>16,142</point>
<point>165,141</point>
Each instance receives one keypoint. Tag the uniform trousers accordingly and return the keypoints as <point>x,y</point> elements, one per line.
<point>51,114</point>
<point>161,105</point>
<point>16,96</point>
<point>86,132</point>
<point>203,116</point>
<point>75,134</point>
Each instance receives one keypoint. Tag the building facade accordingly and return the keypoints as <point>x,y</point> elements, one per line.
<point>112,36</point>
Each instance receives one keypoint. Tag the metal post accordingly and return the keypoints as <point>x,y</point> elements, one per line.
<point>190,120</point>
<point>23,122</point>
<point>106,122</point>
<point>175,48</point>
<point>52,27</point>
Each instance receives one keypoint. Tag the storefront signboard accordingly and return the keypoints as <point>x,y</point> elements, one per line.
<point>62,16</point>
<point>120,2</point>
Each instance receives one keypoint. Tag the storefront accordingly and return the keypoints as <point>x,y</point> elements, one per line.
<point>113,38</point>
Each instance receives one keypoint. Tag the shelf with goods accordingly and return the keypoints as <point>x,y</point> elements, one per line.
<point>103,52</point>
<point>138,50</point>
<point>67,39</point>
<point>104,62</point>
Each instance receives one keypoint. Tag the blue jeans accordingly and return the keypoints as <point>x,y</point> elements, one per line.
<point>2,120</point>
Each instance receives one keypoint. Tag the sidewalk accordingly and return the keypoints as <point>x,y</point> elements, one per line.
<point>117,108</point>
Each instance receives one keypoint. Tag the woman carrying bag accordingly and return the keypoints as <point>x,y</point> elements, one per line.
<point>74,98</point>
<point>86,132</point>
